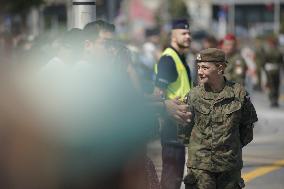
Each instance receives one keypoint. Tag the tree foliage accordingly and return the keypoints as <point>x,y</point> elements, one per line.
<point>178,9</point>
<point>175,10</point>
<point>18,6</point>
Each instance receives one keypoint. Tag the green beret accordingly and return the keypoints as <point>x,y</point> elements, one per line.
<point>211,55</point>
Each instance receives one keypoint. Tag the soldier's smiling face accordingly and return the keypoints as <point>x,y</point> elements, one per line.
<point>208,72</point>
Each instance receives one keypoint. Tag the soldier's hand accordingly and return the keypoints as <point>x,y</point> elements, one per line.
<point>178,110</point>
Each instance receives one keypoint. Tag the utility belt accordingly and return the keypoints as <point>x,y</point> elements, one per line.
<point>271,66</point>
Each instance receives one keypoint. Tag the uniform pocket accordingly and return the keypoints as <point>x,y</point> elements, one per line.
<point>202,109</point>
<point>232,107</point>
<point>232,113</point>
<point>201,118</point>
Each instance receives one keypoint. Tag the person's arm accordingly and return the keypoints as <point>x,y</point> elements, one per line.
<point>249,117</point>
<point>174,108</point>
<point>166,74</point>
<point>178,110</point>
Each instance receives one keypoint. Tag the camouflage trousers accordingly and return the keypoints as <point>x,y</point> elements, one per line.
<point>273,80</point>
<point>202,179</point>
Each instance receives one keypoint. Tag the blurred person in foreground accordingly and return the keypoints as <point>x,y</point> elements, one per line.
<point>84,143</point>
<point>173,81</point>
<point>90,135</point>
<point>222,124</point>
<point>113,58</point>
<point>236,68</point>
<point>69,52</point>
<point>118,60</point>
<point>101,47</point>
<point>272,66</point>
<point>82,138</point>
<point>259,57</point>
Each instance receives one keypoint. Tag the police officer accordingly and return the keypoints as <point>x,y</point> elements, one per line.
<point>173,81</point>
<point>236,68</point>
<point>273,62</point>
<point>223,118</point>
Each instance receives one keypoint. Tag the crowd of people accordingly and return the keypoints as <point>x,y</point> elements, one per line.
<point>79,110</point>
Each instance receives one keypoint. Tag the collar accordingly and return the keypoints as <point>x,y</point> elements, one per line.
<point>179,54</point>
<point>227,92</point>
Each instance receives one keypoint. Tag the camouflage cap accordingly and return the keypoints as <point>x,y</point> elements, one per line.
<point>211,55</point>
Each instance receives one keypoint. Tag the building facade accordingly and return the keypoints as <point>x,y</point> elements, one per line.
<point>243,17</point>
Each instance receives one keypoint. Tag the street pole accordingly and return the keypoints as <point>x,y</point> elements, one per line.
<point>33,21</point>
<point>84,12</point>
<point>276,17</point>
<point>70,14</point>
<point>232,16</point>
<point>111,10</point>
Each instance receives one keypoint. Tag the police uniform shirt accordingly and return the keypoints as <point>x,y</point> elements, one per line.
<point>167,72</point>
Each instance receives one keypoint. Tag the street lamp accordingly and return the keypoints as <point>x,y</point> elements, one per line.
<point>84,11</point>
<point>231,15</point>
<point>276,16</point>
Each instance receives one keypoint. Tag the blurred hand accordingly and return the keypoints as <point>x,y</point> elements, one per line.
<point>178,110</point>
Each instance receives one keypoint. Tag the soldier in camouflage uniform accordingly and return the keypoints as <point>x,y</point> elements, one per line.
<point>223,118</point>
<point>236,68</point>
<point>272,66</point>
<point>259,62</point>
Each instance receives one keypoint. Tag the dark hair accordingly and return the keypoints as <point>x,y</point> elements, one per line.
<point>211,40</point>
<point>92,29</point>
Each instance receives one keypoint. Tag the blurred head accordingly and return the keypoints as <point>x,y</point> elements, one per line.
<point>181,37</point>
<point>272,41</point>
<point>103,29</point>
<point>229,44</point>
<point>209,42</point>
<point>96,33</point>
<point>153,35</point>
<point>106,30</point>
<point>211,64</point>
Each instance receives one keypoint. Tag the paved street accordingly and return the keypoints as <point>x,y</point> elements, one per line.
<point>264,157</point>
<point>266,154</point>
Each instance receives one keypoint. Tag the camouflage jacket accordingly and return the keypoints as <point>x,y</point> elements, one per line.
<point>223,124</point>
<point>236,69</point>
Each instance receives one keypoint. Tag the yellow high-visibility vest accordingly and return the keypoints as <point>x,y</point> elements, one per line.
<point>182,85</point>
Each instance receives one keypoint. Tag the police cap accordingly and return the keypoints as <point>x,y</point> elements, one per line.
<point>180,24</point>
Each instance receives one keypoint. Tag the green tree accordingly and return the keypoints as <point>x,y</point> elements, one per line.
<point>170,10</point>
<point>178,9</point>
<point>18,6</point>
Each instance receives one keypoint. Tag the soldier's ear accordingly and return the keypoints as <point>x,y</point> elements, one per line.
<point>221,68</point>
